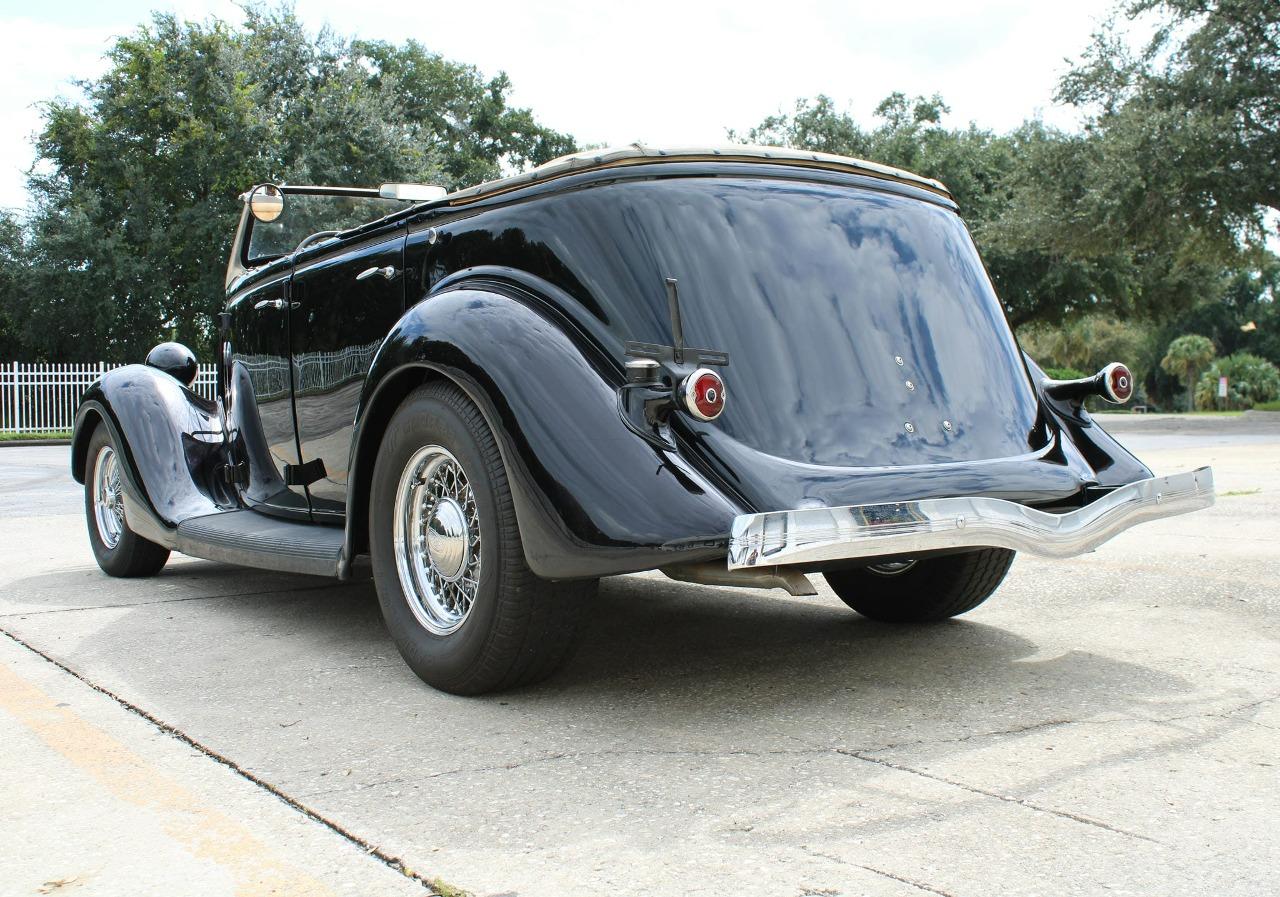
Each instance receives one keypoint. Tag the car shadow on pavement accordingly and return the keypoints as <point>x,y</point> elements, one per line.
<point>651,648</point>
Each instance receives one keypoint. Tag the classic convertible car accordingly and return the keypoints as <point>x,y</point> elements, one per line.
<point>739,366</point>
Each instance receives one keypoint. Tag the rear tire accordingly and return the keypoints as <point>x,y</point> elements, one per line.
<point>927,590</point>
<point>463,607</point>
<point>118,550</point>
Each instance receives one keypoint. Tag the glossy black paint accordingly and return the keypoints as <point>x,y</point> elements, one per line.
<point>176,360</point>
<point>829,291</point>
<point>170,438</point>
<point>259,374</point>
<point>592,498</point>
<point>337,322</point>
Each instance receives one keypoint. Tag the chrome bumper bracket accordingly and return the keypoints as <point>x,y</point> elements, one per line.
<point>815,535</point>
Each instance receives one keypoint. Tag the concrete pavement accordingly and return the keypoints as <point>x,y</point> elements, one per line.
<point>1103,725</point>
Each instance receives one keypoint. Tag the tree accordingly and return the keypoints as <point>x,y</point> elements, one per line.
<point>135,189</point>
<point>1196,113</point>
<point>13,280</point>
<point>1186,357</point>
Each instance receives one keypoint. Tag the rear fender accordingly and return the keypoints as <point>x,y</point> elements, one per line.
<point>592,498</point>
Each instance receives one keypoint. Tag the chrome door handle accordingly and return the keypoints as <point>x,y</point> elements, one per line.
<point>278,304</point>
<point>387,273</point>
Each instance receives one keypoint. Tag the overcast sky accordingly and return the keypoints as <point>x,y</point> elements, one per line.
<point>607,72</point>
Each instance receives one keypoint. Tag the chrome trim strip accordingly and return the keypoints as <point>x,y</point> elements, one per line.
<point>812,535</point>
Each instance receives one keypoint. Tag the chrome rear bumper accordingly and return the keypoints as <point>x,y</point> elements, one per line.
<point>814,535</point>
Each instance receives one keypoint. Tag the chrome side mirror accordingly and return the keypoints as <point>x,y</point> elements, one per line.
<point>266,202</point>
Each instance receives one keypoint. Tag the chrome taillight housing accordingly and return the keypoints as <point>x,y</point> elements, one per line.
<point>702,394</point>
<point>1117,383</point>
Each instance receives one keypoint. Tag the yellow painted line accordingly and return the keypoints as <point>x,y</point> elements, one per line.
<point>203,830</point>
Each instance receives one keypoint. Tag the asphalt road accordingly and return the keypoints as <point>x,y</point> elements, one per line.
<point>1103,725</point>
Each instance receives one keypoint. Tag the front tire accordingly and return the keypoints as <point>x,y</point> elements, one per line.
<point>924,590</point>
<point>118,550</point>
<point>463,607</point>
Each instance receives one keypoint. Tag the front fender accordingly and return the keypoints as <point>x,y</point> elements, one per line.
<point>591,497</point>
<point>168,436</point>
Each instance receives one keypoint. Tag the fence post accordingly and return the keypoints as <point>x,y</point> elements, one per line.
<point>17,401</point>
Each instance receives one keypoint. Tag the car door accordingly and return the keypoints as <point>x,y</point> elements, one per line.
<point>345,301</point>
<point>259,395</point>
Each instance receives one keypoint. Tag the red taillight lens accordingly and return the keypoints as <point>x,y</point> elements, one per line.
<point>704,394</point>
<point>1118,382</point>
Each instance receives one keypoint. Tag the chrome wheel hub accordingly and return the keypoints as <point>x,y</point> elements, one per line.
<point>447,539</point>
<point>108,497</point>
<point>436,532</point>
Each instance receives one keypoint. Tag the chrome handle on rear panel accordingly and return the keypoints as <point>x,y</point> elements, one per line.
<point>387,273</point>
<point>278,304</point>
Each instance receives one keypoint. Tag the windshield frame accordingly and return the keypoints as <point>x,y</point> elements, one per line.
<point>249,263</point>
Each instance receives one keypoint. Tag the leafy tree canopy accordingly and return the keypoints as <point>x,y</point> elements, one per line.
<point>1195,114</point>
<point>135,189</point>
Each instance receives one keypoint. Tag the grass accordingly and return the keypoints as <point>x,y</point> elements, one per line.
<point>45,434</point>
<point>1240,492</point>
<point>1267,406</point>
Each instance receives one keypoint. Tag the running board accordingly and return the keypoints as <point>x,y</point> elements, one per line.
<point>255,540</point>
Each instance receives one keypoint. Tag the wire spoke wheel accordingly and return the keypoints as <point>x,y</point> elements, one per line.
<point>108,497</point>
<point>436,534</point>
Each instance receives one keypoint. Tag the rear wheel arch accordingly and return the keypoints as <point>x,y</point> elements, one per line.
<point>387,397</point>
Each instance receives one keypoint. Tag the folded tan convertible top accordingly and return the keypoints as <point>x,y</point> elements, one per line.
<point>640,154</point>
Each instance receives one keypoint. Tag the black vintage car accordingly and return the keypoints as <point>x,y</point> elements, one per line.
<point>738,366</point>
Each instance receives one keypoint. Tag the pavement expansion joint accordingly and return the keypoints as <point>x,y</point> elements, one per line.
<point>1022,802</point>
<point>430,886</point>
<point>160,601</point>
<point>901,879</point>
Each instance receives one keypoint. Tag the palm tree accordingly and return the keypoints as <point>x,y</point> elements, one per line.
<point>1185,358</point>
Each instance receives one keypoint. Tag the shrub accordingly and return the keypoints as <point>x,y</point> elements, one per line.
<point>1250,381</point>
<point>1064,373</point>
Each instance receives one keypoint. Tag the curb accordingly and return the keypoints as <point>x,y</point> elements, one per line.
<point>18,443</point>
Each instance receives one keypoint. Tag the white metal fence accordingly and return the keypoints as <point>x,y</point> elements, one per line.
<point>37,398</point>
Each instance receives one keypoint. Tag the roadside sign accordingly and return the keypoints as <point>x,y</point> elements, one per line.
<point>1222,387</point>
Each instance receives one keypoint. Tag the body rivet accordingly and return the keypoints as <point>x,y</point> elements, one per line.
<point>946,425</point>
<point>898,359</point>
<point>911,428</point>
<point>911,386</point>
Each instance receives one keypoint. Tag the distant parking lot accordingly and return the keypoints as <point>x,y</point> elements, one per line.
<point>1103,725</point>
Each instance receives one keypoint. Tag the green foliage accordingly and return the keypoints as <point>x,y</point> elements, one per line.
<point>13,267</point>
<point>1250,380</point>
<point>1197,111</point>
<point>1185,358</point>
<point>1065,373</point>
<point>135,190</point>
<point>1088,344</point>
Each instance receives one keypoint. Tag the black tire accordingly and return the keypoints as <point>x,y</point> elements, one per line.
<point>520,628</point>
<point>931,589</point>
<point>131,555</point>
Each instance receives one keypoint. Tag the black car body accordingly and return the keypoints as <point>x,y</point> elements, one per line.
<point>864,367</point>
